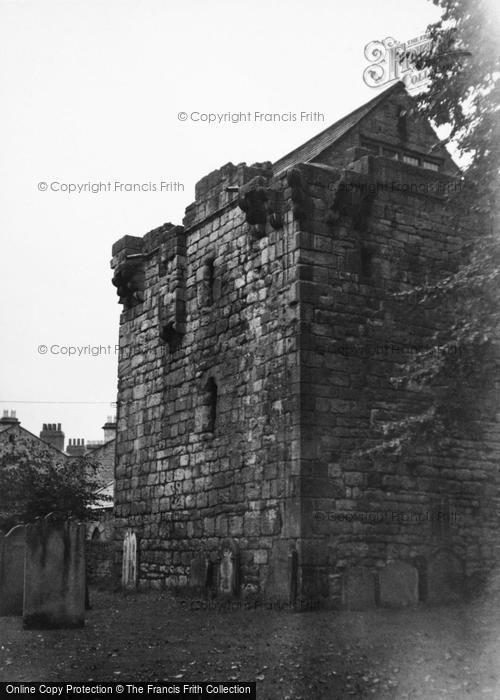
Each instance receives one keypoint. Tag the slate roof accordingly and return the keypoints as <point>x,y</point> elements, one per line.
<point>107,494</point>
<point>312,148</point>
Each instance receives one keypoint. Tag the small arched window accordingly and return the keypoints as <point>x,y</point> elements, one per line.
<point>403,123</point>
<point>96,535</point>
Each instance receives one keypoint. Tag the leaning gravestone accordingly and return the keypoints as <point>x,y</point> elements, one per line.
<point>54,574</point>
<point>398,585</point>
<point>445,578</point>
<point>12,549</point>
<point>229,569</point>
<point>129,561</point>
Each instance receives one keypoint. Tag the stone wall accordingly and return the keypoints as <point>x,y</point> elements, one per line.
<point>99,562</point>
<point>12,551</point>
<point>381,512</point>
<point>207,441</point>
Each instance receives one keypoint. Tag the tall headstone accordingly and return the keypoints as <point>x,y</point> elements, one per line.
<point>129,561</point>
<point>12,550</point>
<point>398,585</point>
<point>229,569</point>
<point>445,578</point>
<point>54,574</point>
<point>198,576</point>
<point>282,580</point>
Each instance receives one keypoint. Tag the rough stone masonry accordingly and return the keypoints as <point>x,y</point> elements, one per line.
<point>257,342</point>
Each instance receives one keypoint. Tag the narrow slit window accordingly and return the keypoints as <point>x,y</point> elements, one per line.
<point>211,404</point>
<point>366,257</point>
<point>403,124</point>
<point>210,280</point>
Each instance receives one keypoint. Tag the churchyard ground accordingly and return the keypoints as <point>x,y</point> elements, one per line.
<point>430,652</point>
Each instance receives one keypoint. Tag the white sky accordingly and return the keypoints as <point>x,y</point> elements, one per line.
<point>90,92</point>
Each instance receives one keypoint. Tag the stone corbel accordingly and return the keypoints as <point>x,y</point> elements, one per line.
<point>261,205</point>
<point>129,280</point>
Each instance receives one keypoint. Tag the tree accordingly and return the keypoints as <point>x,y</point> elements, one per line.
<point>463,94</point>
<point>34,483</point>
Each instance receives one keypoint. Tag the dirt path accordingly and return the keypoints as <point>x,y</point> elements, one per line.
<point>426,653</point>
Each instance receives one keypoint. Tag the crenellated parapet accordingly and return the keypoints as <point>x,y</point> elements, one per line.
<point>131,262</point>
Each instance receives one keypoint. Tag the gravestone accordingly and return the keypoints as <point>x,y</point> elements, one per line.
<point>54,574</point>
<point>12,550</point>
<point>198,573</point>
<point>229,569</point>
<point>445,578</point>
<point>129,561</point>
<point>358,589</point>
<point>283,572</point>
<point>398,585</point>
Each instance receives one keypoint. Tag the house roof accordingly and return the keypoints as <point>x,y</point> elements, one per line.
<point>18,427</point>
<point>96,448</point>
<point>312,148</point>
<point>107,493</point>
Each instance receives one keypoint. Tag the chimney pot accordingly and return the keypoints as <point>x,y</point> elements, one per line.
<point>53,434</point>
<point>9,420</point>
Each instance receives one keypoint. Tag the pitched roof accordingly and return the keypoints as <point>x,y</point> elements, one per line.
<point>20,428</point>
<point>95,448</point>
<point>107,494</point>
<point>312,148</point>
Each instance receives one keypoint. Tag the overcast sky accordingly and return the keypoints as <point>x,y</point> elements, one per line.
<point>91,92</point>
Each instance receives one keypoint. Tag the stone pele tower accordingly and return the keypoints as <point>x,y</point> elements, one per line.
<point>257,342</point>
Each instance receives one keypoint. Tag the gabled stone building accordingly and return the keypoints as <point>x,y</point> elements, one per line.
<point>257,342</point>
